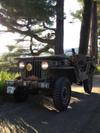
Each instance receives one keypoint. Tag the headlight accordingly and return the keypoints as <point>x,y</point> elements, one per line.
<point>29,67</point>
<point>44,65</point>
<point>21,65</point>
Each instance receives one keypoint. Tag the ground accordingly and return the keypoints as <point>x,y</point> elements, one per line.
<point>38,114</point>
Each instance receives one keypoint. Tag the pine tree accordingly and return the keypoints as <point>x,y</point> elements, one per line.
<point>34,18</point>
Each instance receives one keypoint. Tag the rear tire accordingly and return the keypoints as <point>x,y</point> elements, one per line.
<point>62,94</point>
<point>20,94</point>
<point>88,84</point>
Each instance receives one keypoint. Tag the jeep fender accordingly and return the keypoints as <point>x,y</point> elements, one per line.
<point>68,72</point>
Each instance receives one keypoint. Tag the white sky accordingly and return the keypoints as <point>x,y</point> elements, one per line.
<point>71,30</point>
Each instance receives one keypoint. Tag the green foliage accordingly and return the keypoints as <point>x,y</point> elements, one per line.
<point>98,68</point>
<point>30,18</point>
<point>8,60</point>
<point>2,85</point>
<point>77,14</point>
<point>6,76</point>
<point>27,14</point>
<point>39,10</point>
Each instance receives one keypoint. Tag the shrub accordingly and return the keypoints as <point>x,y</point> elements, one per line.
<point>6,76</point>
<point>98,69</point>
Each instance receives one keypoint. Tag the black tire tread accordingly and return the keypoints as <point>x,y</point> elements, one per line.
<point>86,83</point>
<point>57,93</point>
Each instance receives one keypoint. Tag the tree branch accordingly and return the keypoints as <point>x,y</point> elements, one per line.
<point>48,27</point>
<point>27,32</point>
<point>46,48</point>
<point>33,35</point>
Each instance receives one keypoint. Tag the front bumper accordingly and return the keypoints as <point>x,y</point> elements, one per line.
<point>13,84</point>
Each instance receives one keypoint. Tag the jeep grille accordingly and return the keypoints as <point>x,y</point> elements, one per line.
<point>36,69</point>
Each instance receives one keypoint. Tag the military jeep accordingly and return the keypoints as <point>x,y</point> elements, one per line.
<point>53,76</point>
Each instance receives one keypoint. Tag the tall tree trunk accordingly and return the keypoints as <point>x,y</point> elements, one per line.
<point>85,27</point>
<point>59,27</point>
<point>93,41</point>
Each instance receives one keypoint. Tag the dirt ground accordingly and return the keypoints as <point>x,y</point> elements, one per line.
<point>38,114</point>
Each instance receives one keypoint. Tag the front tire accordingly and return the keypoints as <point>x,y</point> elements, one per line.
<point>20,94</point>
<point>88,84</point>
<point>62,94</point>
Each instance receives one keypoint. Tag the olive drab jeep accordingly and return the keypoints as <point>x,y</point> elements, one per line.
<point>53,75</point>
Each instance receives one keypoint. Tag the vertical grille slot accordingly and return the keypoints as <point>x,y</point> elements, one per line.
<point>36,68</point>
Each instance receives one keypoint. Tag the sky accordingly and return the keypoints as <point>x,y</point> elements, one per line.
<point>71,30</point>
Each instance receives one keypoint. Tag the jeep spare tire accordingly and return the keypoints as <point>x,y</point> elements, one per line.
<point>62,94</point>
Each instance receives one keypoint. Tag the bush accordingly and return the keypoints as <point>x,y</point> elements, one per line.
<point>98,69</point>
<point>6,76</point>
